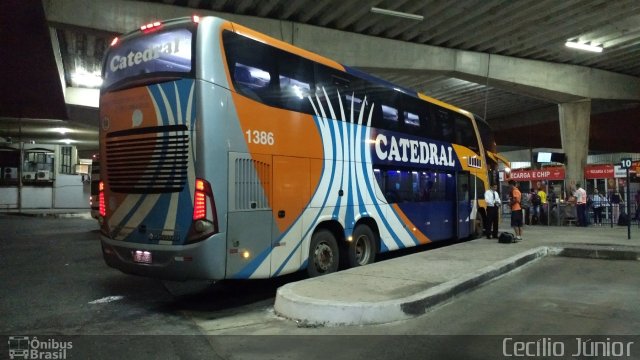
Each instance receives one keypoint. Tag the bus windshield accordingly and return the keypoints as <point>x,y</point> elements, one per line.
<point>163,52</point>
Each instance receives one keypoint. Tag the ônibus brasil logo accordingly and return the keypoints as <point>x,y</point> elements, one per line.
<point>25,347</point>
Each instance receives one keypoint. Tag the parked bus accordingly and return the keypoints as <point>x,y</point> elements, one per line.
<point>230,154</point>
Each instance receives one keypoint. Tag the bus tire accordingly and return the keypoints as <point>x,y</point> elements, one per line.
<point>324,256</point>
<point>362,248</point>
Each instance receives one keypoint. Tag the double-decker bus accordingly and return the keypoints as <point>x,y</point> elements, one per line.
<point>230,154</point>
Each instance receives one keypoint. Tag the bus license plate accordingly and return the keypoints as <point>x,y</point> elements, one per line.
<point>143,257</point>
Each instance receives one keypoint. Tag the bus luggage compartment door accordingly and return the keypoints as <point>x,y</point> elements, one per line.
<point>291,192</point>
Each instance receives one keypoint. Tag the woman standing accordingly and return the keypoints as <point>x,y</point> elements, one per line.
<point>615,201</point>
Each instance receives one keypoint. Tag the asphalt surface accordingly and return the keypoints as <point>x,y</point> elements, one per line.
<point>56,287</point>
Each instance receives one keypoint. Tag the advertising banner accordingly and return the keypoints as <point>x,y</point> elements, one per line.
<point>556,173</point>
<point>605,171</point>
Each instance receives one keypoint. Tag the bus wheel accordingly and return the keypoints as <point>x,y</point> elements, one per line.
<point>362,249</point>
<point>324,256</point>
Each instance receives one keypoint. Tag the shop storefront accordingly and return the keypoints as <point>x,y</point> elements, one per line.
<point>546,179</point>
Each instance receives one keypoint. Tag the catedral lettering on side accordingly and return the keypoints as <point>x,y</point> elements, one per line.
<point>413,151</point>
<point>135,58</point>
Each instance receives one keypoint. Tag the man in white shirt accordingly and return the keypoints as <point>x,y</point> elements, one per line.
<point>581,205</point>
<point>492,198</point>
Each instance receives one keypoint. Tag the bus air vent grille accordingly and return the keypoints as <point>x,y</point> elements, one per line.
<point>148,160</point>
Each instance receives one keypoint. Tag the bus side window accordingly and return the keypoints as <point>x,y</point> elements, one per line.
<point>415,116</point>
<point>252,67</point>
<point>246,84</point>
<point>386,113</point>
<point>296,82</point>
<point>331,82</point>
<point>443,129</point>
<point>464,133</point>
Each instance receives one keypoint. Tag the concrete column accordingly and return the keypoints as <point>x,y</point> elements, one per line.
<point>575,118</point>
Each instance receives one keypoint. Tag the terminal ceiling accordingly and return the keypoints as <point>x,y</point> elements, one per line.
<point>535,30</point>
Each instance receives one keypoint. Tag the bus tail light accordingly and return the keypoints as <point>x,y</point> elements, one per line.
<point>102,206</point>
<point>199,201</point>
<point>205,220</point>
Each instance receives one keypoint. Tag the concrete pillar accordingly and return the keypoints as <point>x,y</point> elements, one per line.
<point>575,118</point>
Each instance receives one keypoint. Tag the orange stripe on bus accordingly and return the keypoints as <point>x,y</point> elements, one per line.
<point>422,238</point>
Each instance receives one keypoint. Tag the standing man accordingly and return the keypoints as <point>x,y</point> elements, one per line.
<point>542,217</point>
<point>598,203</point>
<point>516,210</point>
<point>492,198</point>
<point>581,204</point>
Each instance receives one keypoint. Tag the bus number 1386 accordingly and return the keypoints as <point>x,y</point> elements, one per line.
<point>259,137</point>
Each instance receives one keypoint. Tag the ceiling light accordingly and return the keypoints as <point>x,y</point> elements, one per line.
<point>397,14</point>
<point>61,130</point>
<point>586,47</point>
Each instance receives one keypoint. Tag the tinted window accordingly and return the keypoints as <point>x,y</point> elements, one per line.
<point>486,135</point>
<point>442,128</point>
<point>415,186</point>
<point>252,67</point>
<point>296,81</point>
<point>330,83</point>
<point>353,100</point>
<point>416,116</point>
<point>386,113</point>
<point>464,133</point>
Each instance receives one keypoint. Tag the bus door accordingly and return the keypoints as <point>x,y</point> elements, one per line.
<point>463,204</point>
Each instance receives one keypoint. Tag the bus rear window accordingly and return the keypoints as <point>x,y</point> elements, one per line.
<point>160,53</point>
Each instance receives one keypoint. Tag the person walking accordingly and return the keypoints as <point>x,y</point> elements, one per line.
<point>581,205</point>
<point>599,202</point>
<point>516,210</point>
<point>492,198</point>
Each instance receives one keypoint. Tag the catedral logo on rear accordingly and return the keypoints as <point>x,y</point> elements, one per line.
<point>151,53</point>
<point>413,151</point>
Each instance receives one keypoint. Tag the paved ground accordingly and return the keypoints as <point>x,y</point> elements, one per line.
<point>402,288</point>
<point>55,285</point>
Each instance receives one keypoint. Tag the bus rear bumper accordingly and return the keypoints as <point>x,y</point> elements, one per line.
<point>202,260</point>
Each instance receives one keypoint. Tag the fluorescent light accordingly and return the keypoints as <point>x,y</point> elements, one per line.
<point>83,78</point>
<point>577,45</point>
<point>61,130</point>
<point>397,14</point>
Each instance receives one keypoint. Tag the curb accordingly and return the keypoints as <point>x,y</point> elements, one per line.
<point>314,312</point>
<point>602,252</point>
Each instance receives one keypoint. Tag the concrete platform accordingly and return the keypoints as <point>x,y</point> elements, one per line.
<point>408,286</point>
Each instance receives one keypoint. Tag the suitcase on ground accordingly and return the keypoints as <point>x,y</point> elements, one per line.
<point>506,238</point>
